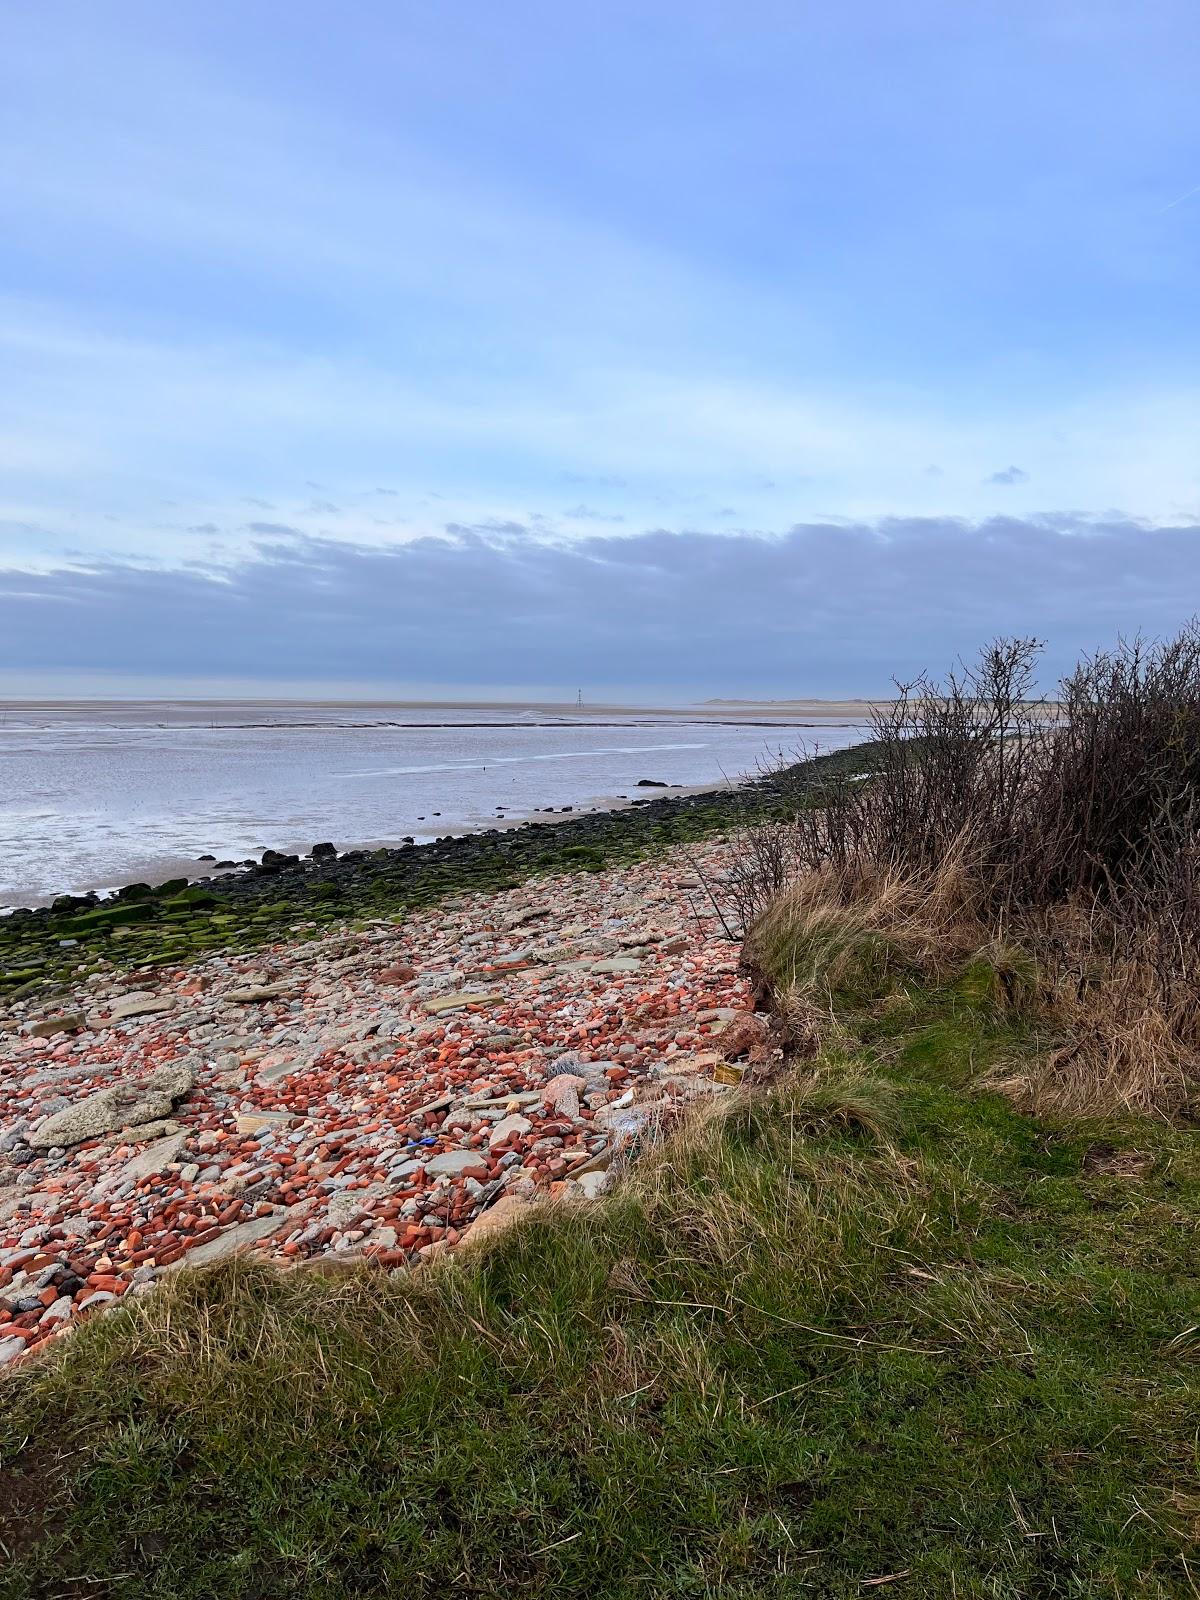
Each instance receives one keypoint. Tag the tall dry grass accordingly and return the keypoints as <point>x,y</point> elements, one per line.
<point>1067,827</point>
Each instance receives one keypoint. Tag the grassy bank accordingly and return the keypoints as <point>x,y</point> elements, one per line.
<point>170,924</point>
<point>870,1327</point>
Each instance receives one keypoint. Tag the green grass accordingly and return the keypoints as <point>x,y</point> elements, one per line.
<point>867,1323</point>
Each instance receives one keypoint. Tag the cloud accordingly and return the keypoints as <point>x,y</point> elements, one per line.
<point>583,513</point>
<point>498,527</point>
<point>1009,475</point>
<point>827,607</point>
<point>593,480</point>
<point>261,505</point>
<point>203,527</point>
<point>273,530</point>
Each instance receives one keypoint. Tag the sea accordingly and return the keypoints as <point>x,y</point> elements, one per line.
<point>96,794</point>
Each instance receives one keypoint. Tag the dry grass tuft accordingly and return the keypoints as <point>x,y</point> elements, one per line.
<point>1045,858</point>
<point>832,930</point>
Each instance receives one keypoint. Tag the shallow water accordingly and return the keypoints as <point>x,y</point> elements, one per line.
<point>94,795</point>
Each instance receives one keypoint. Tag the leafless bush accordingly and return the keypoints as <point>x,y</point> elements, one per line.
<point>953,772</point>
<point>761,867</point>
<point>1072,824</point>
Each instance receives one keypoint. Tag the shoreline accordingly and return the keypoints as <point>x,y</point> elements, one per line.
<point>170,868</point>
<point>90,810</point>
<point>180,919</point>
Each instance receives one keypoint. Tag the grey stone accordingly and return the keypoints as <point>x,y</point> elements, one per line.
<point>507,1127</point>
<point>161,1128</point>
<point>154,1158</point>
<point>460,1001</point>
<point>345,1208</point>
<point>405,1169</point>
<point>141,1006</point>
<point>123,1105</point>
<point>570,1061</point>
<point>284,1069</point>
<point>47,1027</point>
<point>239,1237</point>
<point>10,1349</point>
<point>100,1298</point>
<point>453,1162</point>
<point>594,1072</point>
<point>259,991</point>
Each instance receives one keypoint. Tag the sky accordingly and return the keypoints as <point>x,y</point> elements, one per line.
<point>760,349</point>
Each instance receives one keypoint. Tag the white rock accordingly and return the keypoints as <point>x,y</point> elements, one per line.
<point>141,1005</point>
<point>453,1162</point>
<point>507,1127</point>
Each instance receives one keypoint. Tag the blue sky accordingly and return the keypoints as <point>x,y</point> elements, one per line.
<point>490,293</point>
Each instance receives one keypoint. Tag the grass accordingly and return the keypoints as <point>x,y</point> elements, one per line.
<point>1115,1036</point>
<point>868,1328</point>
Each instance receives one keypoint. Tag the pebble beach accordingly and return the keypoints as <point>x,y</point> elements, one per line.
<point>381,1092</point>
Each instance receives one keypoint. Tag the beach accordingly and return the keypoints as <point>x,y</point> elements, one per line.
<point>354,1056</point>
<point>362,1095</point>
<point>98,794</point>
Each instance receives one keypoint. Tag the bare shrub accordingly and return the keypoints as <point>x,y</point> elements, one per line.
<point>989,816</point>
<point>1117,802</point>
<point>953,775</point>
<point>764,862</point>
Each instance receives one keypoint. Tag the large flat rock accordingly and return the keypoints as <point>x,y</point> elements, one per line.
<point>139,1005</point>
<point>254,992</point>
<point>240,1237</point>
<point>454,1163</point>
<point>156,1157</point>
<point>124,1105</point>
<point>459,1002</point>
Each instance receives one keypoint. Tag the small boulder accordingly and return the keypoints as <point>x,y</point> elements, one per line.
<point>49,1027</point>
<point>561,1094</point>
<point>591,1185</point>
<point>397,974</point>
<point>124,1105</point>
<point>141,1005</point>
<point>507,1128</point>
<point>746,1035</point>
<point>496,1219</point>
